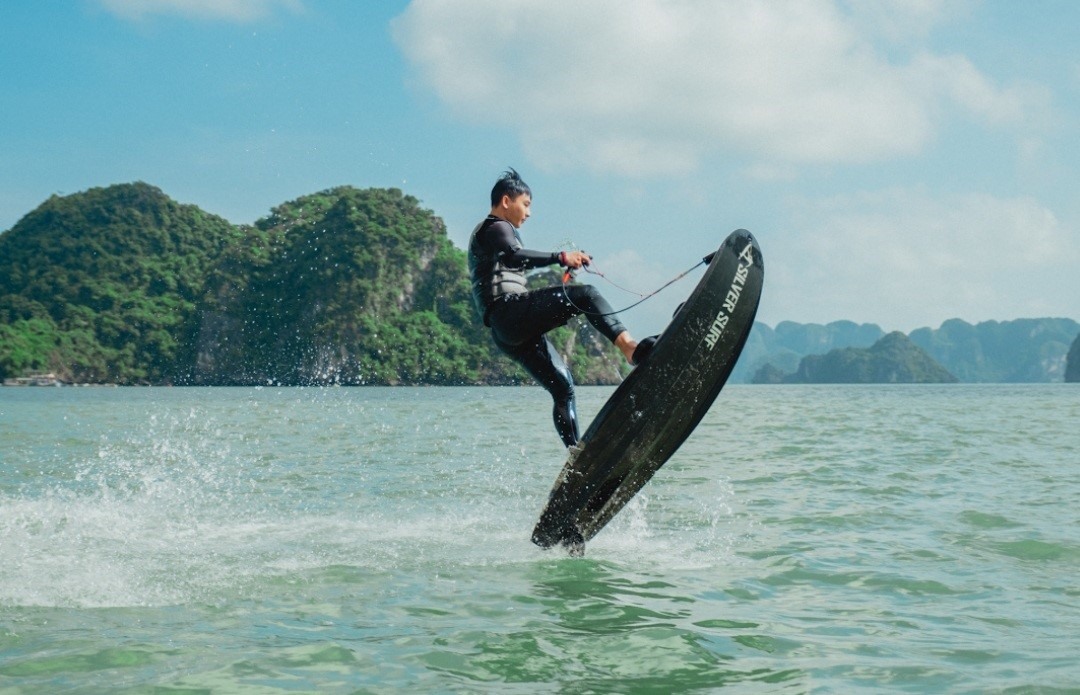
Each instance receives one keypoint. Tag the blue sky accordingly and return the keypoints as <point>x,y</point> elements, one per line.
<point>901,162</point>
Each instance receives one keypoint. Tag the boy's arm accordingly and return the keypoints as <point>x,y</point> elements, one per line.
<point>507,244</point>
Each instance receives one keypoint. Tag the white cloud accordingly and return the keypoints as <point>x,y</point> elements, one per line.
<point>647,87</point>
<point>905,21</point>
<point>956,80</point>
<point>228,10</point>
<point>905,258</point>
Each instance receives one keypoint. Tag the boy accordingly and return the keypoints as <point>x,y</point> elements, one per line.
<point>518,317</point>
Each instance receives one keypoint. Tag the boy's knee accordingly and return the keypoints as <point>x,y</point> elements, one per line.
<point>590,293</point>
<point>556,376</point>
<point>562,387</point>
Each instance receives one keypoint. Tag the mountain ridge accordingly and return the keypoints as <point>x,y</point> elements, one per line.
<point>122,284</point>
<point>1017,351</point>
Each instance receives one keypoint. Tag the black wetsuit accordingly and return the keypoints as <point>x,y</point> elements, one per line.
<point>519,318</point>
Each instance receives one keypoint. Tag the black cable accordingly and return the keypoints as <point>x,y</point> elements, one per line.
<point>567,275</point>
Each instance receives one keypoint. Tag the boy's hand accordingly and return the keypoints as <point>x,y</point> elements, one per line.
<point>576,259</point>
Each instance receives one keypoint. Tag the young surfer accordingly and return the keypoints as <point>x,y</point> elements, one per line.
<point>519,317</point>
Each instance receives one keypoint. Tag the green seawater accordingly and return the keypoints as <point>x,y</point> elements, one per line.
<point>845,539</point>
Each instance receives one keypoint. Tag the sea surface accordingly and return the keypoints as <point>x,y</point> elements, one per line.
<point>842,539</point>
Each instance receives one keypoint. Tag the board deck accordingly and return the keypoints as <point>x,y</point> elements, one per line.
<point>660,403</point>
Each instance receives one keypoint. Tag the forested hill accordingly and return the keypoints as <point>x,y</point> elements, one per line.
<point>104,285</point>
<point>124,285</point>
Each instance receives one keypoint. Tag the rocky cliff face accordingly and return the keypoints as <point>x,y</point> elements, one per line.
<point>297,300</point>
<point>356,287</point>
<point>1072,367</point>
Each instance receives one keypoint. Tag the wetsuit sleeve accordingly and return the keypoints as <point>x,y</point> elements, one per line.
<point>504,242</point>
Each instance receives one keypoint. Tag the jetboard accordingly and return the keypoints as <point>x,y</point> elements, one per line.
<point>659,404</point>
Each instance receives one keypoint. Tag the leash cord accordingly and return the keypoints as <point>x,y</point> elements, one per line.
<point>568,275</point>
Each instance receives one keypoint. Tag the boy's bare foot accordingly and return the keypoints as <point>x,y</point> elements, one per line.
<point>626,345</point>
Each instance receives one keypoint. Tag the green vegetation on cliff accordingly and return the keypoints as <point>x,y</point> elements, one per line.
<point>343,286</point>
<point>124,285</point>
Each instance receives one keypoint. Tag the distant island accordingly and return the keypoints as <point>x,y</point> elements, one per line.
<point>1072,367</point>
<point>1019,351</point>
<point>123,285</point>
<point>894,359</point>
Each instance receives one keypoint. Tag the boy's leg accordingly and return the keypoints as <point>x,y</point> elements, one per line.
<point>518,318</point>
<point>543,363</point>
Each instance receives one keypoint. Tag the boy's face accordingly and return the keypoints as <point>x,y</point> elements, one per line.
<point>516,211</point>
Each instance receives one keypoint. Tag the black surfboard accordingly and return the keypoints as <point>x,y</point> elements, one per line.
<point>660,403</point>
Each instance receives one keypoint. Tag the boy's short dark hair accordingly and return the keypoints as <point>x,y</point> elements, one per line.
<point>510,184</point>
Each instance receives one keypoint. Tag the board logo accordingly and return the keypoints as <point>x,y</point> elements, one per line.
<point>716,329</point>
